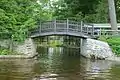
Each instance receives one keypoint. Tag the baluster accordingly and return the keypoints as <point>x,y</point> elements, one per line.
<point>55,26</point>
<point>87,29</point>
<point>81,26</point>
<point>67,25</point>
<point>77,27</point>
<point>100,32</point>
<point>92,30</point>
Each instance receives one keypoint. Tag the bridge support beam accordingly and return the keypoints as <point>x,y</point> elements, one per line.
<point>81,44</point>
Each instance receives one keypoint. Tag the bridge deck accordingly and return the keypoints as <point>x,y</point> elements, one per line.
<point>63,27</point>
<point>61,33</point>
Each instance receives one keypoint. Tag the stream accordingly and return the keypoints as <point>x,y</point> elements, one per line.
<point>59,64</point>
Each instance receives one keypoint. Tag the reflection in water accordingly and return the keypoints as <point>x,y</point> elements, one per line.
<point>98,69</point>
<point>58,64</point>
<point>15,69</point>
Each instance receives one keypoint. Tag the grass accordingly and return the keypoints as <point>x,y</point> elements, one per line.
<point>114,43</point>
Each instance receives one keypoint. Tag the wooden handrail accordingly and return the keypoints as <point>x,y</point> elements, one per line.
<point>64,26</point>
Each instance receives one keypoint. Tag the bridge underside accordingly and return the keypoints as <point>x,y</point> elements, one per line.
<point>81,35</point>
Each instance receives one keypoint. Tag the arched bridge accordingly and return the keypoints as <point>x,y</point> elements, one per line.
<point>64,27</point>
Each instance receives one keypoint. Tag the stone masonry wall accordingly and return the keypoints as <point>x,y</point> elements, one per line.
<point>28,48</point>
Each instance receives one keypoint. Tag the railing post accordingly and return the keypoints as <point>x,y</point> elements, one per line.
<point>81,26</point>
<point>77,27</point>
<point>55,26</point>
<point>92,30</point>
<point>87,29</point>
<point>100,32</point>
<point>67,25</point>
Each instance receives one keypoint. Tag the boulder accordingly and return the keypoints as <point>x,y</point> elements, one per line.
<point>96,49</point>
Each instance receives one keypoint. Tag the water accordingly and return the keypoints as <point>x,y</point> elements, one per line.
<point>58,64</point>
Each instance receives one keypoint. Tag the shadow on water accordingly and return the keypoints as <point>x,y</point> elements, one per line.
<point>58,64</point>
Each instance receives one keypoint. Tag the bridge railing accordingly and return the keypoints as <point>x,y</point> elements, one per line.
<point>64,26</point>
<point>88,29</point>
<point>60,26</point>
<point>108,32</point>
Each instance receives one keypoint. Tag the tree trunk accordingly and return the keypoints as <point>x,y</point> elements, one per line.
<point>112,15</point>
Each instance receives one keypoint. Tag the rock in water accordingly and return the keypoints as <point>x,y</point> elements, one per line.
<point>96,49</point>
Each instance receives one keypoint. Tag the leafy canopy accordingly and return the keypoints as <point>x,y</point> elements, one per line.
<point>17,17</point>
<point>87,10</point>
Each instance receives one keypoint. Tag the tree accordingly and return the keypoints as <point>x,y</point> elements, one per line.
<point>101,15</point>
<point>117,6</point>
<point>75,9</point>
<point>112,14</point>
<point>87,10</point>
<point>17,17</point>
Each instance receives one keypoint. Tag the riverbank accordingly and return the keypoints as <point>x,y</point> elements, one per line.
<point>17,56</point>
<point>24,50</point>
<point>114,43</point>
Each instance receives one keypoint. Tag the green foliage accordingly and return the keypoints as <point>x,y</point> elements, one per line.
<point>17,17</point>
<point>7,52</point>
<point>117,5</point>
<point>86,10</point>
<point>114,43</point>
<point>102,15</point>
<point>55,43</point>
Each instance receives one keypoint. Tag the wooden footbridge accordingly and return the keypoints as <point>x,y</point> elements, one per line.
<point>64,27</point>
